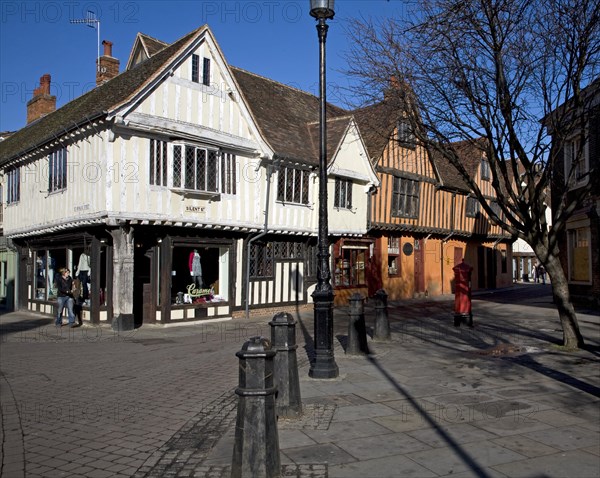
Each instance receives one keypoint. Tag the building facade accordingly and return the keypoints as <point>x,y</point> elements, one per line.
<point>423,218</point>
<point>179,189</point>
<point>576,141</point>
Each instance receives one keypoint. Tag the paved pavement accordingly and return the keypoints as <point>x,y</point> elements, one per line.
<point>501,399</point>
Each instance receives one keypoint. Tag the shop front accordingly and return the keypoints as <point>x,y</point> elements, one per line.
<point>88,257</point>
<point>350,270</point>
<point>195,278</point>
<point>175,278</point>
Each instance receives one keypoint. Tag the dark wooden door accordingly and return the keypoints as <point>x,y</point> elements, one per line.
<point>419,266</point>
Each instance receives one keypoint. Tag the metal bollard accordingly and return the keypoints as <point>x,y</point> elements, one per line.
<point>256,447</point>
<point>357,331</point>
<point>283,340</point>
<point>382,323</point>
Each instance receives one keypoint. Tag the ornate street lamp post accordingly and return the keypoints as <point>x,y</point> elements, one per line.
<point>324,365</point>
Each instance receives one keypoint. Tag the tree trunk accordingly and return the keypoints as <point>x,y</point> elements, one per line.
<point>572,337</point>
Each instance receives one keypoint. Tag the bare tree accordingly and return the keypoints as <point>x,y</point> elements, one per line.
<point>503,75</point>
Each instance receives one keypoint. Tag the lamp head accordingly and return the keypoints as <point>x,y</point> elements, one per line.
<point>322,9</point>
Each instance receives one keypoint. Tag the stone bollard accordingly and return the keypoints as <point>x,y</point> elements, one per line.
<point>357,331</point>
<point>256,447</point>
<point>283,340</point>
<point>382,323</point>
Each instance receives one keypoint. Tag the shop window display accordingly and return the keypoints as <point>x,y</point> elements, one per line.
<point>47,263</point>
<point>350,268</point>
<point>78,260</point>
<point>196,275</point>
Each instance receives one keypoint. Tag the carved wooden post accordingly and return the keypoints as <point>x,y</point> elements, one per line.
<point>123,247</point>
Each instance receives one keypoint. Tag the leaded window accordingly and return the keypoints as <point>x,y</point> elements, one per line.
<point>485,169</point>
<point>292,185</point>
<point>195,168</point>
<point>228,173</point>
<point>195,68</point>
<point>206,72</point>
<point>261,260</point>
<point>288,250</point>
<point>405,197</point>
<point>158,162</point>
<point>473,207</point>
<point>57,168</point>
<point>343,193</point>
<point>13,185</point>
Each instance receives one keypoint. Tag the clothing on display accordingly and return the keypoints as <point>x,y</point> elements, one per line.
<point>195,267</point>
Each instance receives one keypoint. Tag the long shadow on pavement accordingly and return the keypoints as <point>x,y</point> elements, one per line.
<point>464,456</point>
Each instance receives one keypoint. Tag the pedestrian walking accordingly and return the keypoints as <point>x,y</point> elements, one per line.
<point>542,273</point>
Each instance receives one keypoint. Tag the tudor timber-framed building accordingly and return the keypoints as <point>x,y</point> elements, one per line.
<point>422,217</point>
<point>177,155</point>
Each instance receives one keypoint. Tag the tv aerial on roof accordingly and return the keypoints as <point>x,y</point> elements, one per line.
<point>92,21</point>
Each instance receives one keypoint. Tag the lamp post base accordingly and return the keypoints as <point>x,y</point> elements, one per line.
<point>324,365</point>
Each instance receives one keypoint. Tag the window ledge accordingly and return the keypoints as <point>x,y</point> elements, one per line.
<point>194,193</point>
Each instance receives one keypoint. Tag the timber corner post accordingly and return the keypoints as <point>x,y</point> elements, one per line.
<point>256,446</point>
<point>283,340</point>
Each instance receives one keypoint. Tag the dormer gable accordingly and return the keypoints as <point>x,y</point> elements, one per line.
<point>143,48</point>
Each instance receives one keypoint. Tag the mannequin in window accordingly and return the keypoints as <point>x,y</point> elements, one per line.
<point>51,263</point>
<point>83,271</point>
<point>196,268</point>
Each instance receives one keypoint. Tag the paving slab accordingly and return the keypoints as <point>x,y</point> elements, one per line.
<point>494,401</point>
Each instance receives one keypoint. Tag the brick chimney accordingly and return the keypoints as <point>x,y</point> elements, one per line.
<point>43,102</point>
<point>109,66</point>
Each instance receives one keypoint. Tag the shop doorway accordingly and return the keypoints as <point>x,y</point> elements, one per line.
<point>144,300</point>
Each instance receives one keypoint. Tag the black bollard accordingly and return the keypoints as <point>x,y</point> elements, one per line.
<point>357,331</point>
<point>283,341</point>
<point>382,323</point>
<point>256,447</point>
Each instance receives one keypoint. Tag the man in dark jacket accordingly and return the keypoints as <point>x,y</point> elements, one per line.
<point>64,284</point>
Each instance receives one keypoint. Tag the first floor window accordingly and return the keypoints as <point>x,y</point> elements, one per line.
<point>195,168</point>
<point>579,254</point>
<point>13,186</point>
<point>405,197</point>
<point>228,173</point>
<point>473,207</point>
<point>292,185</point>
<point>57,178</point>
<point>158,162</point>
<point>343,193</point>
<point>576,161</point>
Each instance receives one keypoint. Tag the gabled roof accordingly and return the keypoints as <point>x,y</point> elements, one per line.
<point>470,155</point>
<point>146,46</point>
<point>377,123</point>
<point>94,104</point>
<point>336,129</point>
<point>286,116</point>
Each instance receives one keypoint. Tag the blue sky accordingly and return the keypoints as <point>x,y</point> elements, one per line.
<point>273,38</point>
